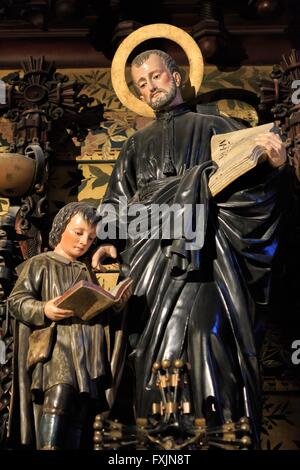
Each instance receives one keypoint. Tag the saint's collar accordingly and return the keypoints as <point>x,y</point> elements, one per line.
<point>170,113</point>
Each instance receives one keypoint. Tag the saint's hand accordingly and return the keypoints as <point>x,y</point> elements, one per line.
<point>54,313</point>
<point>105,251</point>
<point>275,148</point>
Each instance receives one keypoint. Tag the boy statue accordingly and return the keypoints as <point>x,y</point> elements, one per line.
<point>57,395</point>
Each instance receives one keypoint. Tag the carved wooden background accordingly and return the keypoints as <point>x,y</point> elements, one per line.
<point>80,171</point>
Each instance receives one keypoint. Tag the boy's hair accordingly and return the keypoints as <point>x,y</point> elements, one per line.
<point>64,216</point>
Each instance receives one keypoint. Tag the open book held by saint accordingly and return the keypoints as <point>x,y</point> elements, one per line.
<point>236,153</point>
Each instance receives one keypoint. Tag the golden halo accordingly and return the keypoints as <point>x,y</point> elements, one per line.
<point>159,30</point>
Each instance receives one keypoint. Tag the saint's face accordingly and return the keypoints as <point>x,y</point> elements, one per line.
<point>156,85</point>
<point>76,239</point>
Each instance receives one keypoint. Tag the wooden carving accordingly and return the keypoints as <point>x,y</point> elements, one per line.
<point>39,105</point>
<point>279,98</point>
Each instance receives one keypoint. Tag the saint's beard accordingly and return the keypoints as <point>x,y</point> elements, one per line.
<point>164,100</point>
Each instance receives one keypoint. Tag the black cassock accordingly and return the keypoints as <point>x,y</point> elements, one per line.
<point>199,305</point>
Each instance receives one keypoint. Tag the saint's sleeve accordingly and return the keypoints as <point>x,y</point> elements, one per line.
<point>250,213</point>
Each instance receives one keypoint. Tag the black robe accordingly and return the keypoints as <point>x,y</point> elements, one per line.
<point>198,305</point>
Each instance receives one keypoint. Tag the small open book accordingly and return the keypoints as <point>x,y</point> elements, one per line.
<point>235,153</point>
<point>88,299</point>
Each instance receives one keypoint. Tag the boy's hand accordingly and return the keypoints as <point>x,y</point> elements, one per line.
<point>275,148</point>
<point>118,306</point>
<point>105,251</point>
<point>54,313</point>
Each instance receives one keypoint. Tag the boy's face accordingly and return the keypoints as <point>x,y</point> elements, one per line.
<point>77,238</point>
